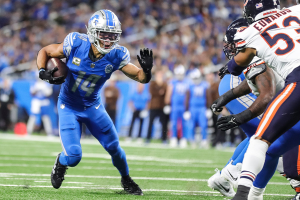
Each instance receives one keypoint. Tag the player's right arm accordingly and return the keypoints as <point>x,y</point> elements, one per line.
<point>266,86</point>
<point>47,52</point>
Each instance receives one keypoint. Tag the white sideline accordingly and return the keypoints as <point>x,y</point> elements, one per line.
<point>9,175</point>
<point>145,190</point>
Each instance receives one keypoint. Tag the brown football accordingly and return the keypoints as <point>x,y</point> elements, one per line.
<point>62,67</point>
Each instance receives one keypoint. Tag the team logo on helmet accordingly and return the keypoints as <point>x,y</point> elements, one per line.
<point>108,69</point>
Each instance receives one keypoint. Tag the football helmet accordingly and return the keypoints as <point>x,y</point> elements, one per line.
<point>229,48</point>
<point>179,72</point>
<point>258,9</point>
<point>104,30</point>
<point>196,76</point>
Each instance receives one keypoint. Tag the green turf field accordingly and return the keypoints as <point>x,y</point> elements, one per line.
<point>162,173</point>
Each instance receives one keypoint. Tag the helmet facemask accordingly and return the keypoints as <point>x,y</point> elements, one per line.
<point>230,50</point>
<point>104,41</point>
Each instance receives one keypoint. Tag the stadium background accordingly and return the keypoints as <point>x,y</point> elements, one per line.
<point>186,32</point>
<point>182,32</point>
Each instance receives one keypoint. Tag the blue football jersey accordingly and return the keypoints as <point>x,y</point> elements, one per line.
<point>198,94</point>
<point>179,93</point>
<point>85,78</point>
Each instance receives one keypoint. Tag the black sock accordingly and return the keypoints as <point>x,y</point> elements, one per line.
<point>242,191</point>
<point>126,177</point>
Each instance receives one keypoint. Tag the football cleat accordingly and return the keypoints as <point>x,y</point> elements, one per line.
<point>297,196</point>
<point>231,173</point>
<point>256,193</point>
<point>58,173</point>
<point>219,183</point>
<point>130,186</point>
<point>242,193</point>
<point>173,142</point>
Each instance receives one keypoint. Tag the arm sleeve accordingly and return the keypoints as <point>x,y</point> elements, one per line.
<point>124,57</point>
<point>71,41</point>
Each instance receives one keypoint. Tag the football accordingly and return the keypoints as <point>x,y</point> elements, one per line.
<point>62,67</point>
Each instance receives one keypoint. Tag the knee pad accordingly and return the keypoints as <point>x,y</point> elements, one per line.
<point>74,155</point>
<point>113,148</point>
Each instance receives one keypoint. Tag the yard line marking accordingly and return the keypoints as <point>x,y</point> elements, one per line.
<point>118,177</point>
<point>48,181</point>
<point>109,162</point>
<point>145,190</point>
<point>112,168</point>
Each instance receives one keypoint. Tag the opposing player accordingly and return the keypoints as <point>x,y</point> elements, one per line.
<point>91,59</point>
<point>243,105</point>
<point>272,36</point>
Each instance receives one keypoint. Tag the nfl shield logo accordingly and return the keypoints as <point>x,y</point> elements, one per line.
<point>258,5</point>
<point>108,69</point>
<point>92,65</point>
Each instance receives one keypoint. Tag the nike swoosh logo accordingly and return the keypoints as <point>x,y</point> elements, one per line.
<point>221,186</point>
<point>97,106</point>
<point>232,176</point>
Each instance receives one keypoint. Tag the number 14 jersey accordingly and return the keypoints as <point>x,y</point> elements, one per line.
<point>276,39</point>
<point>85,78</point>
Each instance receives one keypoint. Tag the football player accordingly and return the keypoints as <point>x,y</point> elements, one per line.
<point>244,106</point>
<point>196,106</point>
<point>273,35</point>
<point>176,96</point>
<point>91,59</point>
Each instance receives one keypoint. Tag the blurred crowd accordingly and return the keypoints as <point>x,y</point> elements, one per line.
<point>186,37</point>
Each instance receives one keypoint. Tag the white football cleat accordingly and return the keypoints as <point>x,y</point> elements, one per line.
<point>204,144</point>
<point>173,142</point>
<point>219,183</point>
<point>256,193</point>
<point>183,143</point>
<point>232,173</point>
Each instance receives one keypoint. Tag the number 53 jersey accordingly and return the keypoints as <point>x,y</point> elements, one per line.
<point>85,78</point>
<point>276,39</point>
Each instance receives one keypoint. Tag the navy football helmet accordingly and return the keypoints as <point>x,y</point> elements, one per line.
<point>229,48</point>
<point>263,8</point>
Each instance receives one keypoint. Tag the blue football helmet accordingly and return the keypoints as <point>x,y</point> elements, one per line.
<point>104,30</point>
<point>258,9</point>
<point>229,48</point>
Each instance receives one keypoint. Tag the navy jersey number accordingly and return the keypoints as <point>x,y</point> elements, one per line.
<point>271,41</point>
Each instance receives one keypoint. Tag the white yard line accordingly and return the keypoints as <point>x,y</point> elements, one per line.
<point>142,163</point>
<point>111,168</point>
<point>11,175</point>
<point>145,190</point>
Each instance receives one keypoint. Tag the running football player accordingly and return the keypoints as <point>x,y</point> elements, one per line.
<point>91,59</point>
<point>273,35</point>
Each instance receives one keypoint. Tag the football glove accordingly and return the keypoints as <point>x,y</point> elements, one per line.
<point>217,105</point>
<point>47,75</point>
<point>146,62</point>
<point>228,122</point>
<point>223,71</point>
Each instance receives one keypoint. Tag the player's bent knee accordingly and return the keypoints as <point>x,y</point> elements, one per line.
<point>74,156</point>
<point>113,148</point>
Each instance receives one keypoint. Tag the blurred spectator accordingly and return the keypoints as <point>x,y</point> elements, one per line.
<point>40,106</point>
<point>196,106</point>
<point>7,97</point>
<point>176,96</point>
<point>111,94</point>
<point>157,88</point>
<point>138,103</point>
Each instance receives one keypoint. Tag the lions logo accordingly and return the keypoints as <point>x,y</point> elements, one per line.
<point>108,69</point>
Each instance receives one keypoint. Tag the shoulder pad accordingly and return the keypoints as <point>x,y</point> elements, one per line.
<point>255,69</point>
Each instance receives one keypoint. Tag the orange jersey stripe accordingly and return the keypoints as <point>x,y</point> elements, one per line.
<point>273,108</point>
<point>298,161</point>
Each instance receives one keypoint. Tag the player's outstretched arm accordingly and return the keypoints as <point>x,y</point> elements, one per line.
<point>47,52</point>
<point>266,85</point>
<point>143,74</point>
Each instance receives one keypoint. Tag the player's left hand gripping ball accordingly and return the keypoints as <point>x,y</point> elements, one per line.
<point>47,75</point>
<point>146,62</point>
<point>223,71</point>
<point>228,122</point>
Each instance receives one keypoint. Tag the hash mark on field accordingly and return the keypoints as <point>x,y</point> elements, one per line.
<point>145,190</point>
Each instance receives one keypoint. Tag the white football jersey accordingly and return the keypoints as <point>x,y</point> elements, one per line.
<point>252,68</point>
<point>276,39</point>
